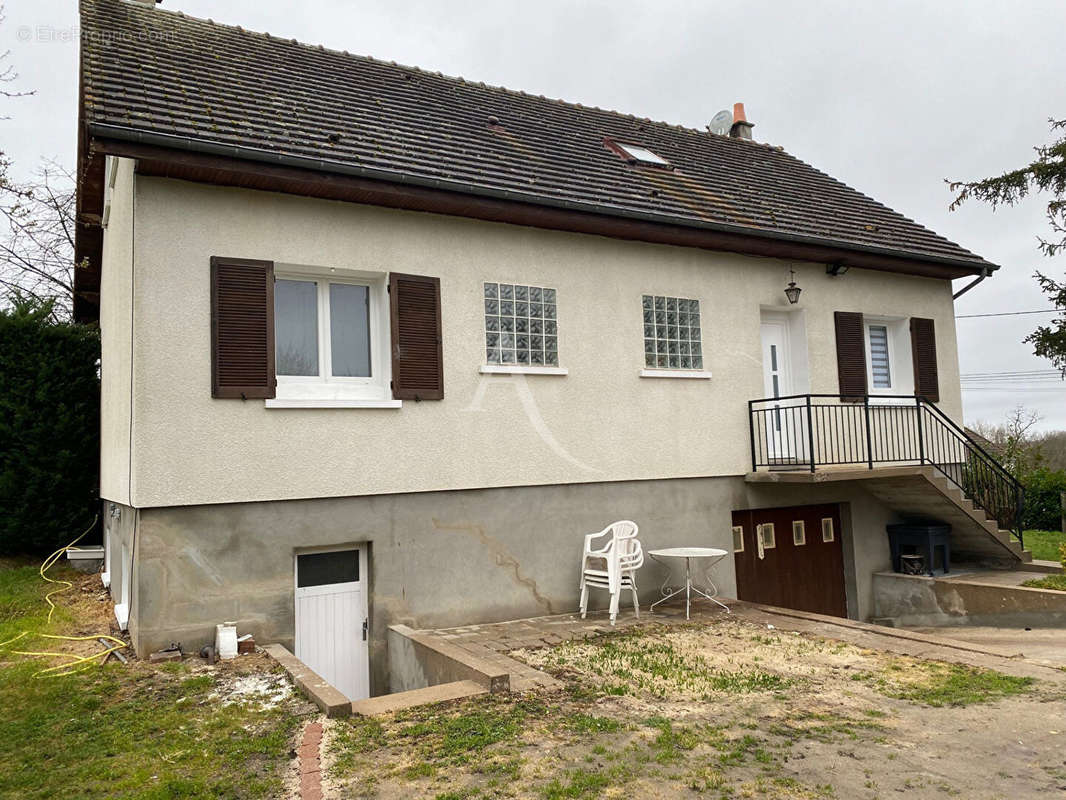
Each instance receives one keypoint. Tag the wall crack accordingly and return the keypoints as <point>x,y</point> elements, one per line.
<point>502,558</point>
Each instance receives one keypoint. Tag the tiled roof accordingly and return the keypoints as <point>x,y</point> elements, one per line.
<point>161,72</point>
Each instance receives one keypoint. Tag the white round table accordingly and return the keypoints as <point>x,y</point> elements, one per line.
<point>713,556</point>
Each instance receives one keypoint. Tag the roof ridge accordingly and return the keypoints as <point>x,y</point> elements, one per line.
<point>452,78</point>
<point>221,82</point>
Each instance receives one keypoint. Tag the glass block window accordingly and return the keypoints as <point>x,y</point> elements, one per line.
<point>672,333</point>
<point>521,325</point>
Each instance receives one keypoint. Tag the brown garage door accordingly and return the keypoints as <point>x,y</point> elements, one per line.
<point>801,563</point>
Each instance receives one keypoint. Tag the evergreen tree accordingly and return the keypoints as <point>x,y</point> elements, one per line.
<point>1046,173</point>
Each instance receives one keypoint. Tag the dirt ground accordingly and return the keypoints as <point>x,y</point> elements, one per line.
<point>724,709</point>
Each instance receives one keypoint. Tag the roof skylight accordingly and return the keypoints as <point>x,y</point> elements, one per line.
<point>641,155</point>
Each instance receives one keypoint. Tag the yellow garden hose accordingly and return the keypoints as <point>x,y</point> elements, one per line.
<point>74,663</point>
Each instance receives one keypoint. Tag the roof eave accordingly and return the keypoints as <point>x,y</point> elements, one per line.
<point>120,133</point>
<point>183,156</point>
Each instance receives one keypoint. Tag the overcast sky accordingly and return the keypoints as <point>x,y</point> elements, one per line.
<point>891,98</point>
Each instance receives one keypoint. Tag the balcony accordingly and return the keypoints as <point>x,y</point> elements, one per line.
<point>823,432</point>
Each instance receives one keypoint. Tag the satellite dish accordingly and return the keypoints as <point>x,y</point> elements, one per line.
<point>721,123</point>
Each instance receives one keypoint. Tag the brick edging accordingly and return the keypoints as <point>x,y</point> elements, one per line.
<point>308,762</point>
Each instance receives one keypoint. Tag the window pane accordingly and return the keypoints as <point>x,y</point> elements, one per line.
<point>879,357</point>
<point>319,569</point>
<point>349,330</point>
<point>671,332</point>
<point>522,315</point>
<point>296,327</point>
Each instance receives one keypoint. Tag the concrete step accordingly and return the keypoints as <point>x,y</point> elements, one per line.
<point>1041,566</point>
<point>974,535</point>
<point>387,703</point>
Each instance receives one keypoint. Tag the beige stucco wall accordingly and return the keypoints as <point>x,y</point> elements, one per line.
<point>116,305</point>
<point>601,422</point>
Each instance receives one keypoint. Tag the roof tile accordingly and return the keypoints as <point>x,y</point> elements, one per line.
<point>167,73</point>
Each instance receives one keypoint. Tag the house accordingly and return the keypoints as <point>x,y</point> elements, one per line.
<point>381,345</point>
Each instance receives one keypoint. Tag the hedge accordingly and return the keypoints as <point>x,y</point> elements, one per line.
<point>49,428</point>
<point>1043,499</point>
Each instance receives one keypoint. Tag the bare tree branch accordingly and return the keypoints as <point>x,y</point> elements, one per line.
<point>37,247</point>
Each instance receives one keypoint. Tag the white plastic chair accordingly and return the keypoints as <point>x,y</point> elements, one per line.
<point>612,565</point>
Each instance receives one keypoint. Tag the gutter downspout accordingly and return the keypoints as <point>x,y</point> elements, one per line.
<point>984,274</point>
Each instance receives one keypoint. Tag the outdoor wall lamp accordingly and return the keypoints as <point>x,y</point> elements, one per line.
<point>792,291</point>
<point>836,269</point>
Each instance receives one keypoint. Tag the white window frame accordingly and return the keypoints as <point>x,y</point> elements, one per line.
<point>326,390</point>
<point>830,530</point>
<point>641,154</point>
<point>900,368</point>
<point>799,527</point>
<point>689,373</point>
<point>738,529</point>
<point>516,368</point>
<point>761,530</point>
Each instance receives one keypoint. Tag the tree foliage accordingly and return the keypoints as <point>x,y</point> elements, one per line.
<point>1037,460</point>
<point>1013,442</point>
<point>1042,509</point>
<point>1044,174</point>
<point>1049,341</point>
<point>49,427</point>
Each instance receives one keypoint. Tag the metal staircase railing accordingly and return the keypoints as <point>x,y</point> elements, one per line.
<point>808,431</point>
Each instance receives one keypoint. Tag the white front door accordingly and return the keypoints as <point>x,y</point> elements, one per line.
<point>783,422</point>
<point>331,618</point>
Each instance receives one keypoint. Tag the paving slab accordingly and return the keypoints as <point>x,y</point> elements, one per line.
<point>1045,645</point>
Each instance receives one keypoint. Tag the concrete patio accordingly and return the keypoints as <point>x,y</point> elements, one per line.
<point>493,643</point>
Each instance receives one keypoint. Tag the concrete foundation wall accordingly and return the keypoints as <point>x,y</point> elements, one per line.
<point>915,600</point>
<point>418,660</point>
<point>441,559</point>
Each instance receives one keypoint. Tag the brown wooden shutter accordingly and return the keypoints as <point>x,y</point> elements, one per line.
<point>923,354</point>
<point>851,355</point>
<point>417,353</point>
<point>242,328</point>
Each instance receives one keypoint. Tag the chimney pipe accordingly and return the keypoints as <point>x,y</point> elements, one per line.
<point>741,127</point>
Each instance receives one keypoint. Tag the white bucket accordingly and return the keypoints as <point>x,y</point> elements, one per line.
<point>226,640</point>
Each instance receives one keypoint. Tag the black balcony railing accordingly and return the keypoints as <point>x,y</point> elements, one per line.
<point>808,431</point>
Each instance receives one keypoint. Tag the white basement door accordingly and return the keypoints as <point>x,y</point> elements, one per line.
<point>331,617</point>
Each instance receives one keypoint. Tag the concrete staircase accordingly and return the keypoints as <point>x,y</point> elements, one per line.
<point>922,492</point>
<point>975,537</point>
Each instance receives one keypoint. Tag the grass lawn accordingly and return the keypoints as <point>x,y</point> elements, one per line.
<point>180,730</point>
<point>721,709</point>
<point>1044,544</point>
<point>1057,582</point>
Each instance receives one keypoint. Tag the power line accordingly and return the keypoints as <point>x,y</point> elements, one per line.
<point>1014,373</point>
<point>1009,388</point>
<point>1019,380</point>
<point>1009,313</point>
